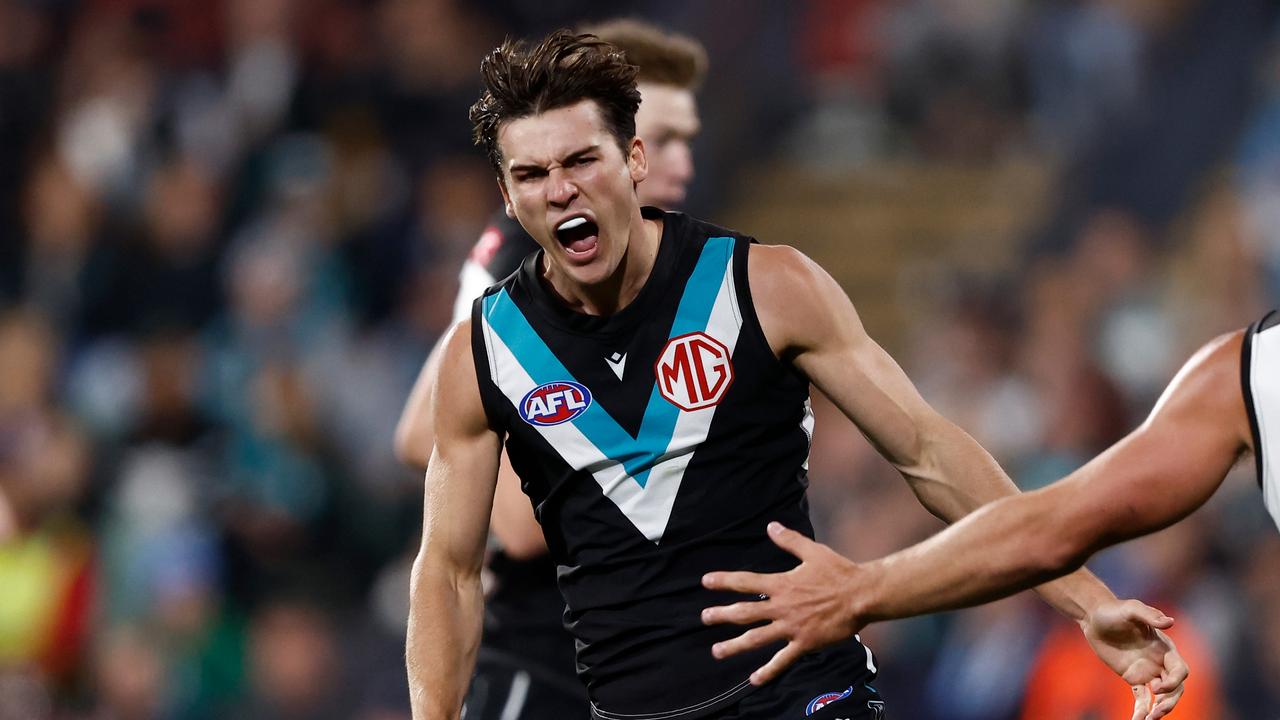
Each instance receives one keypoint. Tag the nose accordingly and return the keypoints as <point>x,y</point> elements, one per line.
<point>561,189</point>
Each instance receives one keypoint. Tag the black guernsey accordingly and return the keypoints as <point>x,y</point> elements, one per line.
<point>655,444</point>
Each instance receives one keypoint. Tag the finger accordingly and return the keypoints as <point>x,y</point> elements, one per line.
<point>1147,615</point>
<point>1174,675</point>
<point>1141,701</point>
<point>749,640</point>
<point>741,581</point>
<point>780,661</point>
<point>741,613</point>
<point>1165,704</point>
<point>790,540</point>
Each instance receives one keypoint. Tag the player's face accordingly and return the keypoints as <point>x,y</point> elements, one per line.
<point>667,122</point>
<point>572,188</point>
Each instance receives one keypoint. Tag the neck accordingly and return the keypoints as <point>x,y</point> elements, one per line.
<point>622,286</point>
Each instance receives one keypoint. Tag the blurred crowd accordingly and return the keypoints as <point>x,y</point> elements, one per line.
<point>229,234</point>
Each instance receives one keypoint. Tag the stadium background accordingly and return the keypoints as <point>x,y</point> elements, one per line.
<point>229,233</point>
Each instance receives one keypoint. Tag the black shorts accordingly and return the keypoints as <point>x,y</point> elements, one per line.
<point>505,688</point>
<point>827,685</point>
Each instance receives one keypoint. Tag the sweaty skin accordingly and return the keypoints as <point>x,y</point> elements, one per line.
<point>564,163</point>
<point>1157,475</point>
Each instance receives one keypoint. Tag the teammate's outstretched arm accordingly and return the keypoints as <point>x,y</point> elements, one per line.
<point>1154,477</point>
<point>1157,475</point>
<point>808,320</point>
<point>446,600</point>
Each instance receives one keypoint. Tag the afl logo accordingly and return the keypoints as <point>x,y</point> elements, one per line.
<point>694,371</point>
<point>824,700</point>
<point>554,403</point>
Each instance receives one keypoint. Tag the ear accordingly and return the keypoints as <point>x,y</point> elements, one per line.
<point>637,163</point>
<point>506,199</point>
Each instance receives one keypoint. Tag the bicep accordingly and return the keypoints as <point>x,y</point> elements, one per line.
<point>1174,461</point>
<point>873,391</point>
<point>812,323</point>
<point>462,473</point>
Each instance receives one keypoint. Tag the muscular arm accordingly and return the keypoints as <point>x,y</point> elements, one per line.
<point>446,600</point>
<point>949,472</point>
<point>827,598</point>
<point>512,523</point>
<point>1154,477</point>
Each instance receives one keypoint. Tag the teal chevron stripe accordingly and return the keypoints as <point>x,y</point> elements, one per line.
<point>637,455</point>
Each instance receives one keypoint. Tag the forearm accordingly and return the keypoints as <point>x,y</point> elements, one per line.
<point>952,475</point>
<point>445,614</point>
<point>974,480</point>
<point>1000,549</point>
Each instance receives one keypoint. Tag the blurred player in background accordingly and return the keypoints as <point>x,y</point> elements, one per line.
<point>1222,406</point>
<point>649,374</point>
<point>525,667</point>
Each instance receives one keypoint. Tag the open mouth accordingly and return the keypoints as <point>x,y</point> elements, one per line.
<point>578,235</point>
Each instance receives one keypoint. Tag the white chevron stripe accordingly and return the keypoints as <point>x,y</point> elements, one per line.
<point>807,424</point>
<point>648,508</point>
<point>725,325</point>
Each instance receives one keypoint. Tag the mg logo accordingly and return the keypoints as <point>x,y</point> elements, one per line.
<point>694,371</point>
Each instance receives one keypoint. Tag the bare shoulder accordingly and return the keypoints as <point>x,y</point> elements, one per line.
<point>780,269</point>
<point>1208,388</point>
<point>798,303</point>
<point>455,348</point>
<point>1222,352</point>
<point>1213,369</point>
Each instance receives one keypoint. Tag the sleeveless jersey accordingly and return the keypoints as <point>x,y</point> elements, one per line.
<point>1260,374</point>
<point>655,444</point>
<point>523,614</point>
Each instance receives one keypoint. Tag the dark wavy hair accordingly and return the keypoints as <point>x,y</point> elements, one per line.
<point>560,71</point>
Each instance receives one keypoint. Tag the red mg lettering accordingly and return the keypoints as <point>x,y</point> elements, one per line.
<point>676,369</point>
<point>694,371</point>
<point>708,357</point>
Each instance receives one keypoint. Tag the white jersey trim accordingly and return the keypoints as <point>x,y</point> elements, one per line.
<point>473,280</point>
<point>1264,388</point>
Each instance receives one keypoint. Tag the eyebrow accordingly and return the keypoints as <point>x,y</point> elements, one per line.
<point>530,167</point>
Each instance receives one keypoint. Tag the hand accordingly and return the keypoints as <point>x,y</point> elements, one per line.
<point>1126,635</point>
<point>809,606</point>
